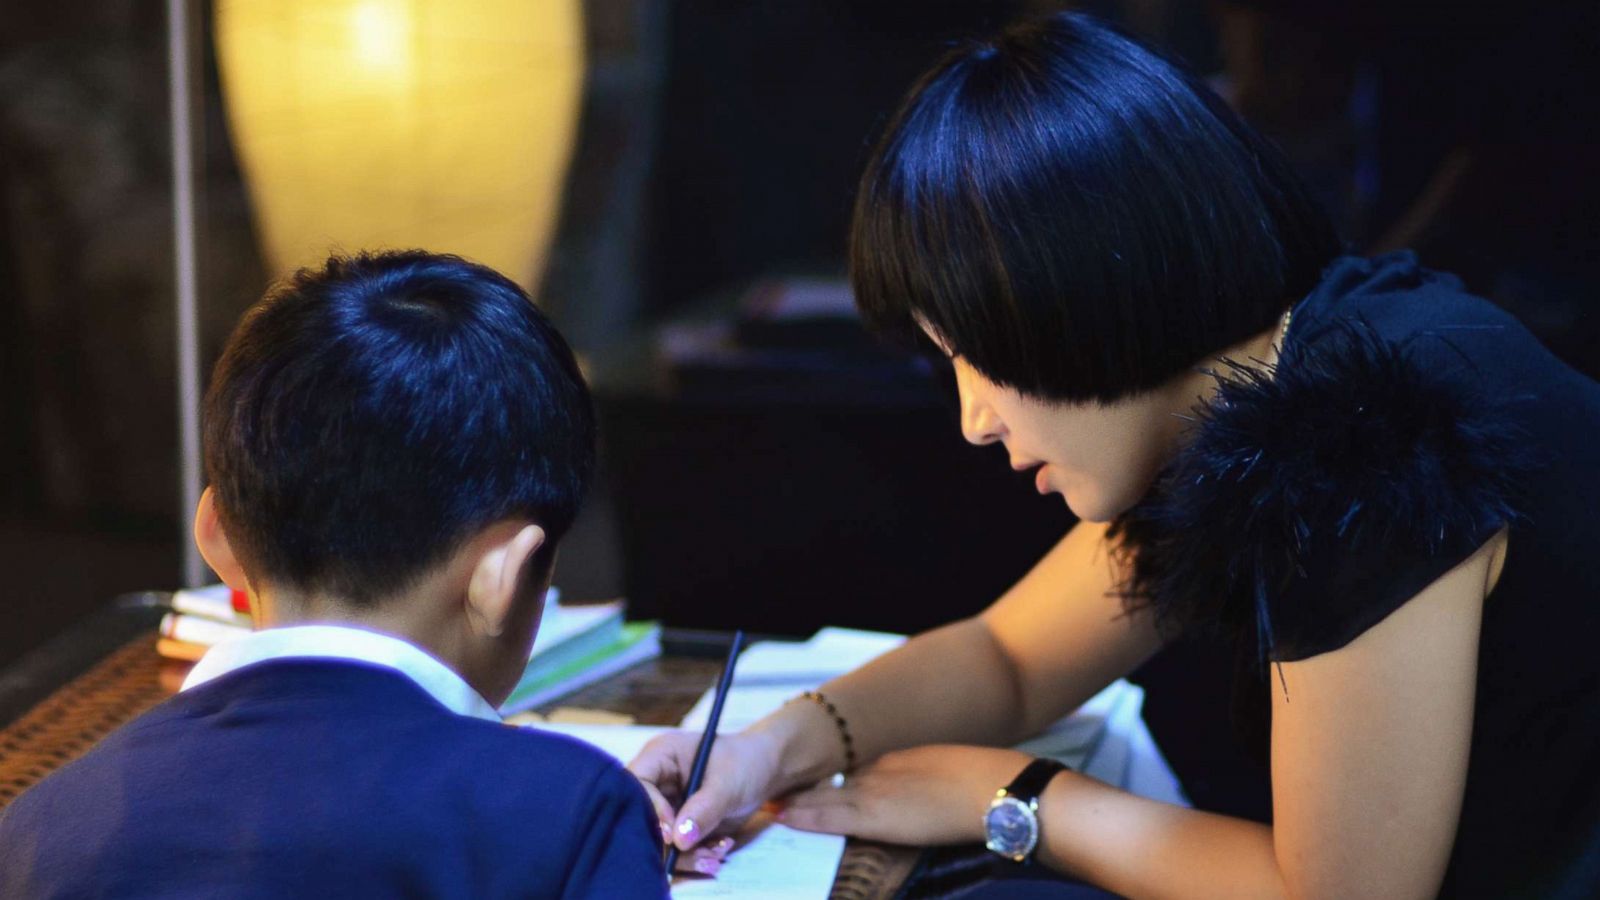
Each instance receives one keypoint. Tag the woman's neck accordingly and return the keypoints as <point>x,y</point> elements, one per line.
<point>1257,353</point>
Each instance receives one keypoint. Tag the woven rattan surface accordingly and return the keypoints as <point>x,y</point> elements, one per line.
<point>71,720</point>
<point>129,681</point>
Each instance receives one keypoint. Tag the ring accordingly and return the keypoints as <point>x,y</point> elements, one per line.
<point>837,780</point>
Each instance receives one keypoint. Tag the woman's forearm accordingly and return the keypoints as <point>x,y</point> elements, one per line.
<point>1140,848</point>
<point>1055,638</point>
<point>953,684</point>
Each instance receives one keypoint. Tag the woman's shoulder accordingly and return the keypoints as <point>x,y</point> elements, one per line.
<point>1447,335</point>
<point>1402,302</point>
<point>1313,499</point>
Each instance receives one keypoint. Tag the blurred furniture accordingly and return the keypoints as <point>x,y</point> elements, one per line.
<point>776,469</point>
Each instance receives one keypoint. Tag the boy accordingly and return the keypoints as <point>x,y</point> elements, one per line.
<point>396,444</point>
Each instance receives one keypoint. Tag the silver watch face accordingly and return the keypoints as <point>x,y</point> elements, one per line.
<point>1012,828</point>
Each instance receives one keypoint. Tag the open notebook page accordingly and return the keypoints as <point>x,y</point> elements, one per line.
<point>769,861</point>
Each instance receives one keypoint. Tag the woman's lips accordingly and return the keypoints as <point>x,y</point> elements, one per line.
<point>1038,468</point>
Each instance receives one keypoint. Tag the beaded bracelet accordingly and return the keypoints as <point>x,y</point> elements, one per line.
<point>838,720</point>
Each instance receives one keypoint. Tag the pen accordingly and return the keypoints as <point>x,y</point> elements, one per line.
<point>698,772</point>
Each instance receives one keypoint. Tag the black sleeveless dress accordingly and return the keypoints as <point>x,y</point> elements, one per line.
<point>1406,424</point>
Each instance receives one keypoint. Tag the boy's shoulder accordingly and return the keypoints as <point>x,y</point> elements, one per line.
<point>525,766</point>
<point>314,723</point>
<point>565,804</point>
<point>547,754</point>
<point>306,774</point>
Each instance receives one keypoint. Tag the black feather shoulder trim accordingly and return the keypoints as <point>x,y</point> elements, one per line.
<point>1350,449</point>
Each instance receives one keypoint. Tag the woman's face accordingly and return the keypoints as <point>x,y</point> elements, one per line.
<point>1101,458</point>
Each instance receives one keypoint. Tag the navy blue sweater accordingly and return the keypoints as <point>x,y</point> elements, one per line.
<point>311,778</point>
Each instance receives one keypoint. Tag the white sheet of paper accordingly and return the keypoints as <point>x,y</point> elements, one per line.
<point>744,705</point>
<point>1109,760</point>
<point>1075,738</point>
<point>621,741</point>
<point>772,862</point>
<point>772,672</point>
<point>769,860</point>
<point>1148,772</point>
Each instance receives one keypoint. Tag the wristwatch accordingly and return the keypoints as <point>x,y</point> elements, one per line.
<point>1011,825</point>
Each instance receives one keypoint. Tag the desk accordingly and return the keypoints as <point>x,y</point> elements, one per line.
<point>128,680</point>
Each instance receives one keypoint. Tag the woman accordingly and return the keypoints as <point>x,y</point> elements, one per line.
<point>1381,487</point>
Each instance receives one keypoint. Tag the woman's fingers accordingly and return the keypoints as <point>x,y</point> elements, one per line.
<point>661,768</point>
<point>664,762</point>
<point>734,785</point>
<point>665,814</point>
<point>701,814</point>
<point>833,810</point>
<point>705,860</point>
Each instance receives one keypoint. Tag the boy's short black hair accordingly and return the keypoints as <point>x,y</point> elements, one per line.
<point>368,416</point>
<point>1080,219</point>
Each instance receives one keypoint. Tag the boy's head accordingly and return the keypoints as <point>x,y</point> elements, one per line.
<point>373,420</point>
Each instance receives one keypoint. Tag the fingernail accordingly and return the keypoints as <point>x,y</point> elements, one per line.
<point>666,832</point>
<point>688,829</point>
<point>708,866</point>
<point>722,847</point>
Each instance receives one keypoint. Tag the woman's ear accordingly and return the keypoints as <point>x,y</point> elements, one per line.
<point>492,590</point>
<point>214,545</point>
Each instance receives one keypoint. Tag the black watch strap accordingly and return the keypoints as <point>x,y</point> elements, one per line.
<point>1031,783</point>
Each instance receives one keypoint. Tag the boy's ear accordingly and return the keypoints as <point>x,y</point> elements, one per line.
<point>492,591</point>
<point>214,545</point>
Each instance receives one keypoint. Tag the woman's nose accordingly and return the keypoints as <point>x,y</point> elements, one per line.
<point>979,424</point>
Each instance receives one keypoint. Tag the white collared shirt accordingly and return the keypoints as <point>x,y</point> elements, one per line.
<point>344,642</point>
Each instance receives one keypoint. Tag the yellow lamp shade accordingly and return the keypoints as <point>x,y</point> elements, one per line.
<point>370,124</point>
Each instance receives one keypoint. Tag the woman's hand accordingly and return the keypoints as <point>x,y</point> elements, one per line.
<point>739,777</point>
<point>936,794</point>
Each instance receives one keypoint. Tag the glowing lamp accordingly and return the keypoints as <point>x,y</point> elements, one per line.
<point>441,124</point>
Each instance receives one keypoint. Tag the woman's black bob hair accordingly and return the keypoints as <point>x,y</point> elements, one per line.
<point>1078,218</point>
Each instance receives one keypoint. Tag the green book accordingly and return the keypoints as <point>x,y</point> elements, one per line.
<point>553,675</point>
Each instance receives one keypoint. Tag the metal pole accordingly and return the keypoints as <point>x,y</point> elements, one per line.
<point>182,87</point>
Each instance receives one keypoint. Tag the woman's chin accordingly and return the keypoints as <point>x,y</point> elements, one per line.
<point>1091,507</point>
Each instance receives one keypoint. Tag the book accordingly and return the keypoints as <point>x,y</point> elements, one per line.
<point>574,630</point>
<point>548,678</point>
<point>193,629</point>
<point>576,644</point>
<point>181,651</point>
<point>209,615</point>
<point>214,602</point>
